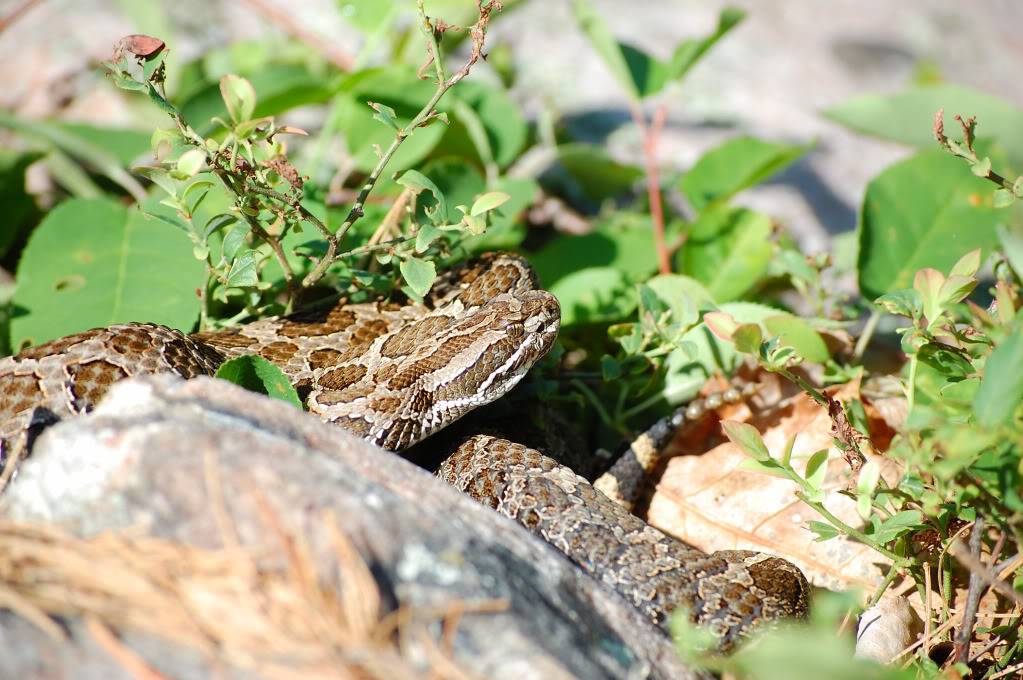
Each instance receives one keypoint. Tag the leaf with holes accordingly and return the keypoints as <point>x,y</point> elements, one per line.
<point>93,262</point>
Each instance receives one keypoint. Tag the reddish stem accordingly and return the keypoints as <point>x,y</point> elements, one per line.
<point>651,137</point>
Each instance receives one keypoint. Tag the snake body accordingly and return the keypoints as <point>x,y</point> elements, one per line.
<point>394,374</point>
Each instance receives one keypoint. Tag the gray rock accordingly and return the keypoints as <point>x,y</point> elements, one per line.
<point>148,457</point>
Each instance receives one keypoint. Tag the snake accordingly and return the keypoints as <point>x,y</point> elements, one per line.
<point>394,373</point>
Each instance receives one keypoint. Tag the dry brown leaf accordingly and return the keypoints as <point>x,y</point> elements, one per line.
<point>708,502</point>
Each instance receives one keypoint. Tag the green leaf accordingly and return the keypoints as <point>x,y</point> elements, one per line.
<point>824,531</point>
<point>100,263</point>
<point>191,162</point>
<point>202,186</point>
<point>689,52</point>
<point>870,475</point>
<point>735,165</point>
<point>796,333</point>
<point>927,282</point>
<point>161,177</point>
<point>747,337</point>
<point>1001,389</point>
<point>496,128</point>
<point>1011,240</point>
<point>863,505</point>
<point>278,88</point>
<point>245,128</point>
<point>722,325</point>
<point>244,272</point>
<point>397,88</point>
<point>239,97</point>
<point>683,295</point>
<point>418,274</point>
<point>171,219</point>
<point>955,289</point>
<point>940,366</point>
<point>817,469</point>
<point>982,167</point>
<point>593,25</point>
<point>126,82</point>
<point>418,182</point>
<point>366,15</point>
<point>967,265</point>
<point>488,201</point>
<point>385,114</point>
<point>898,524</point>
<point>624,242</point>
<point>747,438</point>
<point>153,64</point>
<point>1003,198</point>
<point>926,211</point>
<point>687,371</point>
<point>470,121</point>
<point>256,374</point>
<point>507,229</point>
<point>234,240</point>
<point>426,235</point>
<point>639,74</point>
<point>766,467</point>
<point>904,302</point>
<point>908,117</point>
<point>594,295</point>
<point>728,250</point>
<point>458,181</point>
<point>610,368</point>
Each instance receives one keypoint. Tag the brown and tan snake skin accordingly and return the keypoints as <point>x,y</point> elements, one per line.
<point>394,374</point>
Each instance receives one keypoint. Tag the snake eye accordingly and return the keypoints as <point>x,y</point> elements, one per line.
<point>515,331</point>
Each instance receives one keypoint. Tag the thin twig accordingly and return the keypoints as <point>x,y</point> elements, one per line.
<point>973,595</point>
<point>286,22</point>
<point>976,567</point>
<point>19,11</point>
<point>130,661</point>
<point>427,114</point>
<point>866,335</point>
<point>651,136</point>
<point>893,571</point>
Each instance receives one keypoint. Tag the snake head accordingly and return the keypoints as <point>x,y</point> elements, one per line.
<point>472,362</point>
<point>512,332</point>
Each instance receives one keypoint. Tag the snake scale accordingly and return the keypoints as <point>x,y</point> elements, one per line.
<point>395,373</point>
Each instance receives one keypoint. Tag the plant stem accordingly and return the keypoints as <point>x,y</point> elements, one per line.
<point>898,561</point>
<point>478,31</point>
<point>373,247</point>
<point>911,386</point>
<point>651,136</point>
<point>595,402</point>
<point>866,335</point>
<point>893,571</point>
